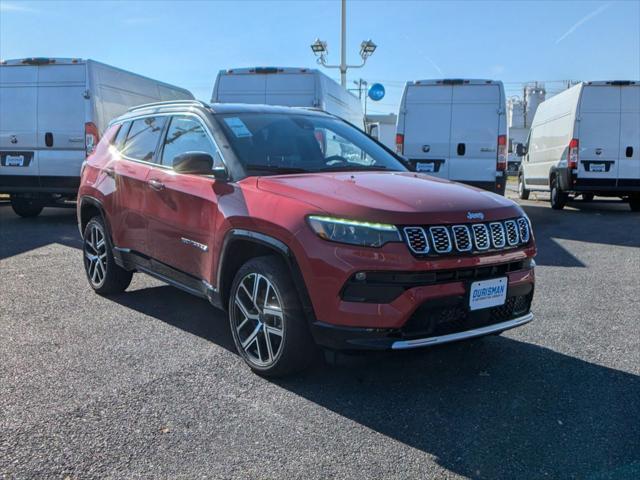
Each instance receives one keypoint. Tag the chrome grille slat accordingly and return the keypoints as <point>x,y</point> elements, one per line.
<point>468,238</point>
<point>523,226</point>
<point>462,238</point>
<point>440,239</point>
<point>417,240</point>
<point>513,238</point>
<point>497,234</point>
<point>480,236</point>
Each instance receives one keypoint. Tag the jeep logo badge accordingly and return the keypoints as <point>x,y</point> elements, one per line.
<point>475,216</point>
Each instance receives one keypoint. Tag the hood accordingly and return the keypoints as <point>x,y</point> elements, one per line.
<point>392,197</point>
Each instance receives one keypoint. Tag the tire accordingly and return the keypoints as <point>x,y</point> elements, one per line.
<point>587,197</point>
<point>634,203</point>
<point>104,275</point>
<point>523,193</point>
<point>267,321</point>
<point>558,197</point>
<point>26,207</point>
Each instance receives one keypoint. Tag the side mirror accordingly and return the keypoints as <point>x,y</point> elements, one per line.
<point>198,163</point>
<point>521,150</point>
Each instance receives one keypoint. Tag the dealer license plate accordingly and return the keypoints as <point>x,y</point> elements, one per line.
<point>488,293</point>
<point>14,160</point>
<point>597,167</point>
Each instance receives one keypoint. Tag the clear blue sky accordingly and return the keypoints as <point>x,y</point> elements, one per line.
<point>187,42</point>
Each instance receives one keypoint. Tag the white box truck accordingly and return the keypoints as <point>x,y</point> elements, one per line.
<point>583,142</point>
<point>290,87</point>
<point>382,127</point>
<point>455,129</point>
<point>52,112</point>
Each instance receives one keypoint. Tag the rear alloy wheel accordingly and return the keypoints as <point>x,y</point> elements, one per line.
<point>558,197</point>
<point>267,323</point>
<point>104,275</point>
<point>634,203</point>
<point>26,207</point>
<point>523,193</point>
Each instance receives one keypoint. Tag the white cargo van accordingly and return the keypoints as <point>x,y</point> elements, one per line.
<point>585,141</point>
<point>52,112</point>
<point>290,87</point>
<point>455,129</point>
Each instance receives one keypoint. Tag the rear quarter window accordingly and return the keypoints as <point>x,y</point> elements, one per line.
<point>118,140</point>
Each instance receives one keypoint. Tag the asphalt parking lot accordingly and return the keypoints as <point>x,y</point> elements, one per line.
<point>146,384</point>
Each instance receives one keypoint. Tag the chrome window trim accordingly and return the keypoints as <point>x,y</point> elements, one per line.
<point>435,246</point>
<point>169,114</point>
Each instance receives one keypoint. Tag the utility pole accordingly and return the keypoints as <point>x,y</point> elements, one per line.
<point>319,48</point>
<point>343,47</point>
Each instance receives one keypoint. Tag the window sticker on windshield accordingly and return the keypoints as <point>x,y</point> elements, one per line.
<point>238,127</point>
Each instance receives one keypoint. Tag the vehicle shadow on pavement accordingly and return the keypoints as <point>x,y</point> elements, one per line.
<point>181,310</point>
<point>20,235</point>
<point>597,223</point>
<point>492,408</point>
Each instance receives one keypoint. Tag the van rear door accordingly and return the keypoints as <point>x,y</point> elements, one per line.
<point>629,163</point>
<point>62,110</point>
<point>290,89</point>
<point>427,120</point>
<point>599,135</point>
<point>241,88</point>
<point>475,126</point>
<point>18,127</point>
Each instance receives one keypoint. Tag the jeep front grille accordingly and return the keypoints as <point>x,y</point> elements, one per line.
<point>469,238</point>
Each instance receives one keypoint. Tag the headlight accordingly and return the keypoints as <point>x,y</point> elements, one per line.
<point>366,234</point>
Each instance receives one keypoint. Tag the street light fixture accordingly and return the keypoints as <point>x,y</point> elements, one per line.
<point>367,48</point>
<point>319,49</point>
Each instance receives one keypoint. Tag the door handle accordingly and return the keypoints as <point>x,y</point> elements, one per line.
<point>629,152</point>
<point>48,139</point>
<point>461,149</point>
<point>157,185</point>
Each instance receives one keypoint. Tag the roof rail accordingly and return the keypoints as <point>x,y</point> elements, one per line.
<point>168,103</point>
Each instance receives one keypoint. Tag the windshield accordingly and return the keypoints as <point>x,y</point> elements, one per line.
<point>280,143</point>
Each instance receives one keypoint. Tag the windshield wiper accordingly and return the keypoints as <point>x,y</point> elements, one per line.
<point>275,169</point>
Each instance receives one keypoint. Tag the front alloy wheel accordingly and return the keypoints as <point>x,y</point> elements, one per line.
<point>258,320</point>
<point>267,321</point>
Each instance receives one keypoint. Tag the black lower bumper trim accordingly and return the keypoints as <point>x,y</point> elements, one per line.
<point>39,184</point>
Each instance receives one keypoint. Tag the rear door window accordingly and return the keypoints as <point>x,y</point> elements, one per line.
<point>143,137</point>
<point>186,134</point>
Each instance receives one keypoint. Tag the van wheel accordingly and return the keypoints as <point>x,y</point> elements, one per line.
<point>26,207</point>
<point>587,197</point>
<point>558,197</point>
<point>523,193</point>
<point>266,318</point>
<point>634,203</point>
<point>104,275</point>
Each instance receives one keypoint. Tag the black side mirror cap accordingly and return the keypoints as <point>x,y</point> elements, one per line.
<point>198,163</point>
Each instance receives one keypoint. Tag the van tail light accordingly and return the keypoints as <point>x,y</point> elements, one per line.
<point>572,158</point>
<point>501,158</point>
<point>399,144</point>
<point>90,137</point>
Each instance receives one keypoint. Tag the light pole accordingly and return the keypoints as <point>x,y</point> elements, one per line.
<point>319,48</point>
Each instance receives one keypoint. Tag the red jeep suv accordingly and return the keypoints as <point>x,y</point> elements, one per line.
<point>303,228</point>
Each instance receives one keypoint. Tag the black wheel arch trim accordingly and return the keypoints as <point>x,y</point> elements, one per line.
<point>87,199</point>
<point>279,247</point>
